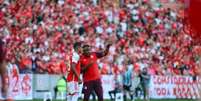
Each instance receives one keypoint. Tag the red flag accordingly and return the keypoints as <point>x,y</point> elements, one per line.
<point>194,16</point>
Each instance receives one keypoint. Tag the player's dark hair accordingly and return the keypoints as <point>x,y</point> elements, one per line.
<point>76,45</point>
<point>84,46</point>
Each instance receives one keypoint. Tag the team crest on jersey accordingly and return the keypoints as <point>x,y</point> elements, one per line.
<point>92,56</point>
<point>85,60</point>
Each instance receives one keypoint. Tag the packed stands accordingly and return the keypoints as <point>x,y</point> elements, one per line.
<point>39,35</point>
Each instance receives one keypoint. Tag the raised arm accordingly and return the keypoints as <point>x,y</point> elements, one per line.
<point>75,61</point>
<point>103,53</point>
<point>74,71</point>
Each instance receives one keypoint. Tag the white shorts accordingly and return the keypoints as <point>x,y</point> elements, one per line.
<point>72,87</point>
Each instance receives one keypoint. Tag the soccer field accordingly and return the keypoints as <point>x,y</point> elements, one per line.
<point>127,100</point>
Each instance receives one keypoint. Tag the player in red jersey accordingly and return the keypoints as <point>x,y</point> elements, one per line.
<point>3,72</point>
<point>73,78</point>
<point>91,73</point>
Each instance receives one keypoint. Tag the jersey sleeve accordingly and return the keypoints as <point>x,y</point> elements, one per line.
<point>75,57</point>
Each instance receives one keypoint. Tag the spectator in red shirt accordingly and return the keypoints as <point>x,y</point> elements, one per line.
<point>25,64</point>
<point>91,73</point>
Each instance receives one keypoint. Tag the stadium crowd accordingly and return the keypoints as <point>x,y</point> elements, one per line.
<point>39,35</point>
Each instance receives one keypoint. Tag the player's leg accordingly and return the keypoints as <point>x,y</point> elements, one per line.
<point>75,97</point>
<point>69,97</point>
<point>93,95</point>
<point>87,90</point>
<point>98,89</point>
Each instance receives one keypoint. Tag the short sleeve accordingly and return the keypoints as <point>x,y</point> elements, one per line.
<point>75,57</point>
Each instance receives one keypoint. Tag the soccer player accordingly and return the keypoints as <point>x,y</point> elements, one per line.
<point>3,72</point>
<point>91,73</point>
<point>73,78</point>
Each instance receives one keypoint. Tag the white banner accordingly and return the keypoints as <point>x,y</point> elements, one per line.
<point>174,87</point>
<point>42,82</point>
<point>20,87</point>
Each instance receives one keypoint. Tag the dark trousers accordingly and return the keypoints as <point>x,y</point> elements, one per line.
<point>125,90</point>
<point>94,85</point>
<point>113,92</point>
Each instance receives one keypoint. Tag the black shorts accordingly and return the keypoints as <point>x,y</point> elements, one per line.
<point>126,87</point>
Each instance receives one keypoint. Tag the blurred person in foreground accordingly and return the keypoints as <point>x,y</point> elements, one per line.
<point>145,80</point>
<point>91,73</point>
<point>73,77</point>
<point>3,73</point>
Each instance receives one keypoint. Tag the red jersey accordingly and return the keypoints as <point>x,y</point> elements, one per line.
<point>92,73</point>
<point>74,58</point>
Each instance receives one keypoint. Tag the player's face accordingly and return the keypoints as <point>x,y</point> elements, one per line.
<point>86,50</point>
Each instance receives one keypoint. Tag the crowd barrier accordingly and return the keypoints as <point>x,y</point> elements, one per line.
<point>33,86</point>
